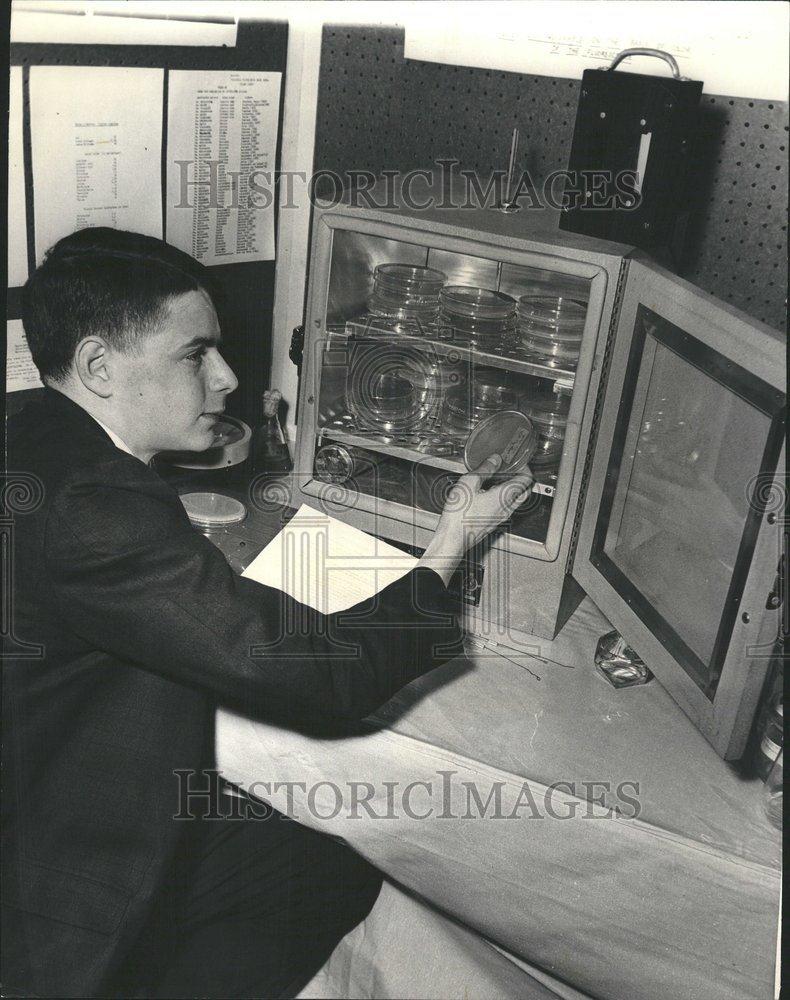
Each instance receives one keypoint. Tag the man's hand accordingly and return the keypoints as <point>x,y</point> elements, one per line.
<point>471,513</point>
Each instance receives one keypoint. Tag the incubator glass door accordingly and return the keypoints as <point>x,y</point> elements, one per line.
<point>678,513</point>
<point>676,541</point>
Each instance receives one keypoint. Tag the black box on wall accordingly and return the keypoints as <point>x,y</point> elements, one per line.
<point>629,178</point>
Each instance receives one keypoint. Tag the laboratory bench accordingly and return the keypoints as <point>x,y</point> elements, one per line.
<point>581,840</point>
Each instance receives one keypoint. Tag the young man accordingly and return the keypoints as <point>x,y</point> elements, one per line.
<point>143,629</point>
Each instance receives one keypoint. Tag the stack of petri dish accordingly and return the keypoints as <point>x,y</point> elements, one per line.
<point>406,294</point>
<point>550,418</point>
<point>213,511</point>
<point>541,284</point>
<point>477,317</point>
<point>551,329</point>
<point>400,391</point>
<point>432,377</point>
<point>383,403</point>
<point>468,404</point>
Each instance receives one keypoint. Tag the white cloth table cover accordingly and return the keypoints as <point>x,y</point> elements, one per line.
<point>679,902</point>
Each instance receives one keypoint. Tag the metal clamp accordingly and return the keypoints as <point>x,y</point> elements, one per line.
<point>668,59</point>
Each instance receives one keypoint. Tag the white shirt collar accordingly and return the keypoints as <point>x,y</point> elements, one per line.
<point>118,442</point>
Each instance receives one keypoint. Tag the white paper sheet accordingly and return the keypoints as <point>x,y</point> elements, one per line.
<point>96,136</point>
<point>20,372</point>
<point>221,147</point>
<point>17,211</point>
<point>326,564</point>
<point>737,49</point>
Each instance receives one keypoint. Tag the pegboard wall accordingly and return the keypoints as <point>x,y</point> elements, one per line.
<point>246,289</point>
<point>377,111</point>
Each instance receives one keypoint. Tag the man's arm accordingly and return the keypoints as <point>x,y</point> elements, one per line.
<point>471,513</point>
<point>134,579</point>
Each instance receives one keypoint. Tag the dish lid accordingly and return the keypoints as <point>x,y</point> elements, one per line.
<point>508,433</point>
<point>213,510</point>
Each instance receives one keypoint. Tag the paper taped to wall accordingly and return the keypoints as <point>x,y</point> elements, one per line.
<point>20,372</point>
<point>96,137</point>
<point>221,147</point>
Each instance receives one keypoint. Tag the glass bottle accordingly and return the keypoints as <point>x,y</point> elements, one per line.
<point>773,792</point>
<point>270,448</point>
<point>771,736</point>
<point>619,663</point>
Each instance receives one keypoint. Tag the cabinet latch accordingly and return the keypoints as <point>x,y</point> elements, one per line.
<point>777,595</point>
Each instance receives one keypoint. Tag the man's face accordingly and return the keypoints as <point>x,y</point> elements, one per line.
<point>168,392</point>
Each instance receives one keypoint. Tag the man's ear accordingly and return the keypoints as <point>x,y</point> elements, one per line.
<point>91,366</point>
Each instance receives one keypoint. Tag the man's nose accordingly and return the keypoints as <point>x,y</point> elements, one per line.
<point>221,377</point>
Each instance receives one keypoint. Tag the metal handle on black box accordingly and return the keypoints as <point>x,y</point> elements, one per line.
<point>668,59</point>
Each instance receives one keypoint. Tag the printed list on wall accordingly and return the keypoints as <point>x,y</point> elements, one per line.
<point>96,139</point>
<point>221,147</point>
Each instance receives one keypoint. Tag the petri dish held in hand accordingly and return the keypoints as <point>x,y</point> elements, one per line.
<point>508,433</point>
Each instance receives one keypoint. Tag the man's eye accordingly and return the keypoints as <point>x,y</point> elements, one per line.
<point>196,357</point>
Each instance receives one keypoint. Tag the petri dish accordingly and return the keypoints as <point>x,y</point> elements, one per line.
<point>409,278</point>
<point>508,433</point>
<point>548,415</point>
<point>402,292</point>
<point>477,303</point>
<point>555,355</point>
<point>556,312</point>
<point>213,510</point>
<point>547,456</point>
<point>231,446</point>
<point>550,283</point>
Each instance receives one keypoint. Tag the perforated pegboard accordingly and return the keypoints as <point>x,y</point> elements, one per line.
<point>737,248</point>
<point>377,110</point>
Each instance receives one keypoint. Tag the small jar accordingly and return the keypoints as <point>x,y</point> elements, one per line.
<point>772,737</point>
<point>773,792</point>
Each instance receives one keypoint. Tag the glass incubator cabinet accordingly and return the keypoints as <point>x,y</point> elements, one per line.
<point>420,324</point>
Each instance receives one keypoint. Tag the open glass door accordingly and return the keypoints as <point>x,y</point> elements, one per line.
<point>680,535</point>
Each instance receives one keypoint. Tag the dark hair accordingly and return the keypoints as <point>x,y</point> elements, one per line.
<point>106,282</point>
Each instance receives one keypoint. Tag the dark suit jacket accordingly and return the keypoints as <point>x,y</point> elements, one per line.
<point>144,630</point>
